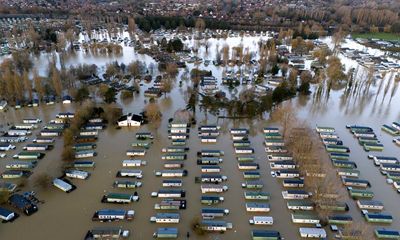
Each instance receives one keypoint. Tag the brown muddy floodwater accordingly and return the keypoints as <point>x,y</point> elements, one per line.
<point>68,216</point>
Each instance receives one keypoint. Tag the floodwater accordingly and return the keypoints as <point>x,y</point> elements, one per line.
<point>68,216</point>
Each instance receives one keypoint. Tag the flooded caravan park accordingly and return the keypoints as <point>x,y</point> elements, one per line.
<point>68,216</point>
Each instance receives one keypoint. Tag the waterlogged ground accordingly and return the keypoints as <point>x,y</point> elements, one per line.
<point>68,216</point>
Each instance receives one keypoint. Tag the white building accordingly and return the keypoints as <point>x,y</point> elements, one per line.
<point>130,120</point>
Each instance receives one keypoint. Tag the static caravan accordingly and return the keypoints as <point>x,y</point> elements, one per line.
<point>344,164</point>
<point>209,161</point>
<point>13,139</point>
<point>178,125</point>
<point>293,183</point>
<point>319,233</point>
<point>210,153</point>
<point>119,198</point>
<point>385,233</point>
<point>211,213</point>
<point>279,157</point>
<point>169,233</point>
<point>305,218</point>
<point>355,182</point>
<point>257,207</point>
<point>303,204</point>
<point>174,156</point>
<point>340,219</point>
<point>31,120</point>
<point>210,199</point>
<point>40,139</point>
<point>209,128</point>
<point>241,143</point>
<point>175,149</point>
<point>84,164</point>
<point>345,172</point>
<point>18,132</point>
<point>107,233</point>
<point>77,174</point>
<point>21,165</point>
<point>239,131</point>
<point>29,155</point>
<point>172,173</point>
<point>251,175</point>
<point>166,218</point>
<point>173,165</point>
<point>274,143</point>
<point>213,188</point>
<point>144,135</point>
<point>85,154</point>
<point>337,148</point>
<point>24,126</point>
<point>142,143</point>
<point>210,169</point>
<point>390,167</point>
<point>136,152</point>
<point>283,164</point>
<point>273,136</point>
<point>295,194</point>
<point>253,185</point>
<point>248,166</point>
<point>209,133</point>
<point>276,149</point>
<point>7,187</point>
<point>7,147</point>
<point>390,129</point>
<point>360,193</point>
<point>244,150</point>
<point>84,146</point>
<point>37,147</point>
<point>258,234</point>
<point>89,133</point>
<point>370,205</point>
<point>245,158</point>
<point>211,178</point>
<point>215,226</point>
<point>256,195</point>
<point>169,193</point>
<point>133,163</point>
<point>63,185</point>
<point>132,173</point>
<point>50,133</point>
<point>175,136</point>
<point>178,130</point>
<point>261,220</point>
<point>127,184</point>
<point>271,130</point>
<point>325,129</point>
<point>109,215</point>
<point>13,174</point>
<point>208,139</point>
<point>339,156</point>
<point>170,204</point>
<point>178,142</point>
<point>335,206</point>
<point>172,183</point>
<point>287,173</point>
<point>378,218</point>
<point>382,159</point>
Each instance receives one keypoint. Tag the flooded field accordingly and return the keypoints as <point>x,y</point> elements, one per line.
<point>68,216</point>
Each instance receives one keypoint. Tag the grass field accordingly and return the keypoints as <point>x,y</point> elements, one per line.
<point>379,35</point>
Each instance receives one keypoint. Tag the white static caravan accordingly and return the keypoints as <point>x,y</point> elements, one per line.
<point>89,133</point>
<point>239,131</point>
<point>213,189</point>
<point>25,126</point>
<point>175,136</point>
<point>18,132</point>
<point>319,233</point>
<point>295,194</point>
<point>166,218</point>
<point>31,120</point>
<point>7,147</point>
<point>136,152</point>
<point>208,139</point>
<point>261,220</point>
<point>244,150</point>
<point>171,173</point>
<point>64,186</point>
<point>172,183</point>
<point>257,207</point>
<point>130,173</point>
<point>133,163</point>
<point>77,174</point>
<point>178,130</point>
<point>210,169</point>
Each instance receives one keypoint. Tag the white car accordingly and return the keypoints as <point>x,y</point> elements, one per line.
<point>273,174</point>
<point>2,155</point>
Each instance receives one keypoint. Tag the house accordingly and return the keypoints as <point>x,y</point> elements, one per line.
<point>67,99</point>
<point>130,120</point>
<point>3,105</point>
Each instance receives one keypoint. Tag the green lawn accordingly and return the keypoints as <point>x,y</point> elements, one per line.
<point>379,35</point>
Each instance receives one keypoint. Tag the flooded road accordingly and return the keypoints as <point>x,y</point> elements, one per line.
<point>68,216</point>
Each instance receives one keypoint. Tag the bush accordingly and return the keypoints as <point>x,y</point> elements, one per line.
<point>125,94</point>
<point>43,181</point>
